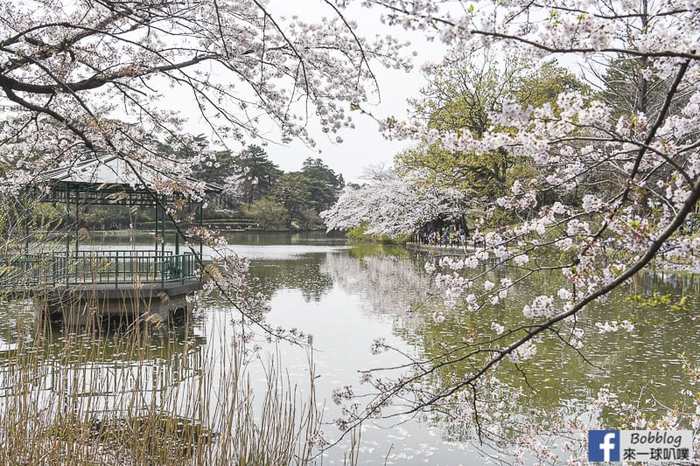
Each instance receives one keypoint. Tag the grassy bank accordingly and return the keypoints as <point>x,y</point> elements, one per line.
<point>359,234</point>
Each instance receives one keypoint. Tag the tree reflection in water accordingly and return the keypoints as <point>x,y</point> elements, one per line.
<point>531,409</point>
<point>622,379</point>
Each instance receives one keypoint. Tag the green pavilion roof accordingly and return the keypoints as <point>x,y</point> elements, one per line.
<point>108,181</point>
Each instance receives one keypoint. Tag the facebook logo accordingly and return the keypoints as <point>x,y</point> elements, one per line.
<point>604,445</point>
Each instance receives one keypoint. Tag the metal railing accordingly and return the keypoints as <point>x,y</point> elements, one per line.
<point>119,252</point>
<point>104,267</point>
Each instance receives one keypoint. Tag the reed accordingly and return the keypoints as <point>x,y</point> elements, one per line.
<point>145,397</point>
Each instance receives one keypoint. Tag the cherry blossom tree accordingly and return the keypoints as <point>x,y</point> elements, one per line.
<point>85,77</point>
<point>614,192</point>
<point>388,204</point>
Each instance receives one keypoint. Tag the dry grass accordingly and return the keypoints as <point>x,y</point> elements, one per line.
<point>130,400</point>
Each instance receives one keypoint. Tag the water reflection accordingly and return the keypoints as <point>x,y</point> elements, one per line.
<point>645,364</point>
<point>349,296</point>
<point>302,273</point>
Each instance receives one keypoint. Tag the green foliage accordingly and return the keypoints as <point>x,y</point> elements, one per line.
<point>111,217</point>
<point>486,175</point>
<point>657,299</point>
<point>322,184</point>
<point>359,234</point>
<point>291,191</point>
<point>460,98</point>
<point>628,91</point>
<point>255,172</point>
<point>544,86</point>
<point>268,213</point>
<point>307,192</point>
<point>44,214</point>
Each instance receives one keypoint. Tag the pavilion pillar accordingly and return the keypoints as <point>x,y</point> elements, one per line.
<point>155,238</point>
<point>66,230</point>
<point>77,222</point>
<point>26,234</point>
<point>177,242</point>
<point>201,223</point>
<point>162,226</point>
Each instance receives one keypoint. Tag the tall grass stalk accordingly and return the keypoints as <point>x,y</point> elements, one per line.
<point>141,399</point>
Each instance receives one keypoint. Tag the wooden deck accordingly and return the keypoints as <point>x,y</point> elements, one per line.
<point>142,290</point>
<point>81,287</point>
<point>110,291</point>
<point>83,304</point>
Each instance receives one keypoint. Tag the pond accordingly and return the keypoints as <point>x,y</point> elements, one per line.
<point>348,295</point>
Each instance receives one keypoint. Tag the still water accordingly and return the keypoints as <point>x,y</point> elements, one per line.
<point>346,296</point>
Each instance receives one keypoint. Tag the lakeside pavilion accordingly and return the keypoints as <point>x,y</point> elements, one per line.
<point>82,283</point>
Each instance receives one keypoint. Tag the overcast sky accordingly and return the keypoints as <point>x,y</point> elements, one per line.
<point>364,145</point>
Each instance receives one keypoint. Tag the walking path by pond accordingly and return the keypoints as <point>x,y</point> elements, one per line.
<point>347,296</point>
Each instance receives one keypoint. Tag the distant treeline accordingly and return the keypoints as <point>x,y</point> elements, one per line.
<point>254,188</point>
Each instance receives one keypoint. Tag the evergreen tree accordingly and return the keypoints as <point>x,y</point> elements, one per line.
<point>255,173</point>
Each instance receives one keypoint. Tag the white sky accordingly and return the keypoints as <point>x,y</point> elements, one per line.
<point>363,146</point>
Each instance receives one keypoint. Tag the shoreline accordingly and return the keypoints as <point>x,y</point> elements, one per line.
<point>439,249</point>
